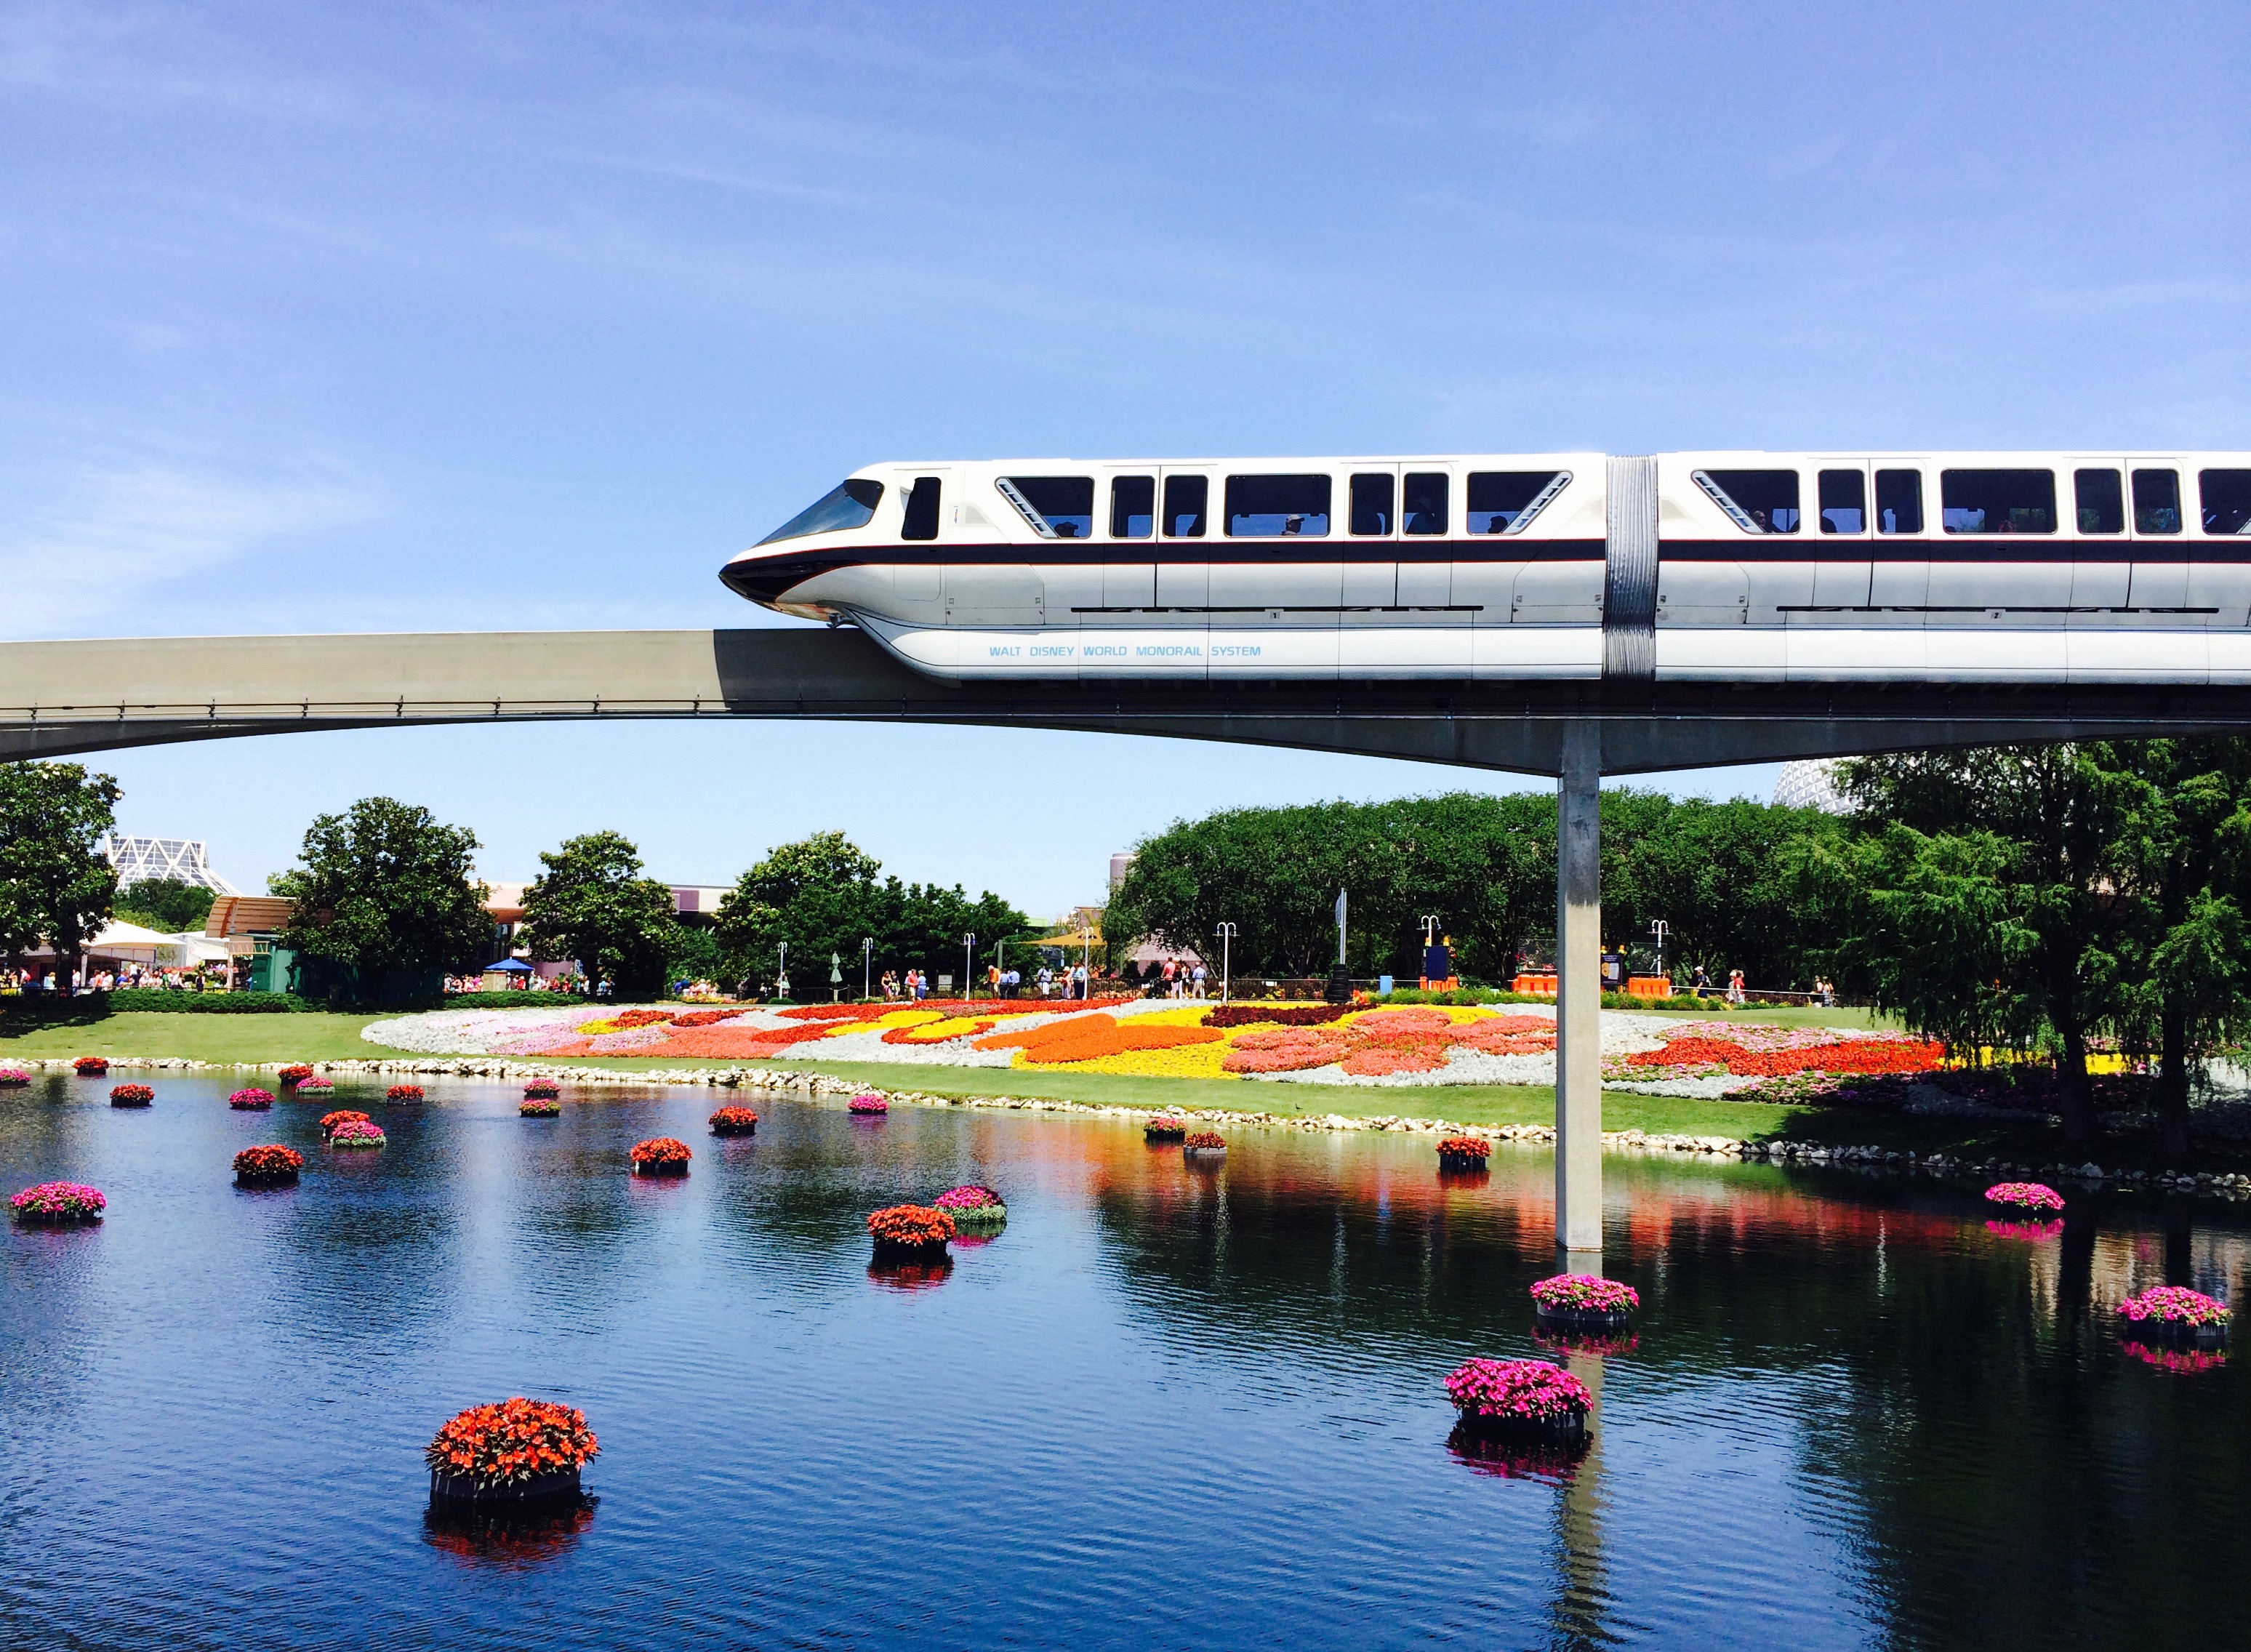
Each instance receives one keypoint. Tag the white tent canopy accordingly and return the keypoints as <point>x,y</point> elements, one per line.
<point>130,943</point>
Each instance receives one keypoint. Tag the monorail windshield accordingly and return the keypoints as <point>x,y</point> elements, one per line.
<point>848,505</point>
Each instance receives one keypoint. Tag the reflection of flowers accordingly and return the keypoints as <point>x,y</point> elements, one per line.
<point>511,1539</point>
<point>1517,1391</point>
<point>1570,1339</point>
<point>898,1271</point>
<point>2175,1359</point>
<point>1519,1455</point>
<point>2033,1231</point>
<point>2174,1305</point>
<point>57,1204</point>
<point>2024,1196</point>
<point>269,1163</point>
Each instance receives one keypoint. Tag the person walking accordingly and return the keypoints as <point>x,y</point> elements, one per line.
<point>1735,988</point>
<point>1196,979</point>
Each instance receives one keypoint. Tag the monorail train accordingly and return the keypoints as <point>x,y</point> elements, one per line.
<point>2034,568</point>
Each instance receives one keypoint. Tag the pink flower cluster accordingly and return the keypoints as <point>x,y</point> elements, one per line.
<point>315,1086</point>
<point>1530,1391</point>
<point>972,1196</point>
<point>356,1132</point>
<point>59,1202</point>
<point>2174,1305</point>
<point>1388,1042</point>
<point>253,1100</point>
<point>2024,1196</point>
<point>1585,1293</point>
<point>865,1104</point>
<point>10,1077</point>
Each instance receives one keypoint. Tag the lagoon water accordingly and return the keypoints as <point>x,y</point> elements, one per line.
<point>1166,1407</point>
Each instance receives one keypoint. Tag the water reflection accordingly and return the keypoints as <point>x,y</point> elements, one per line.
<point>510,1542</point>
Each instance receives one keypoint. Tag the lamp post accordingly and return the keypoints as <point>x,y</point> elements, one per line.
<point>968,960</point>
<point>867,966</point>
<point>781,971</point>
<point>1660,929</point>
<point>1226,933</point>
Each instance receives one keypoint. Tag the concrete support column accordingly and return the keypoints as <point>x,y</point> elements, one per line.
<point>1578,1000</point>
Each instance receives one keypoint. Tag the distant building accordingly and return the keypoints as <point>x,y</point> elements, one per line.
<point>140,859</point>
<point>1811,784</point>
<point>1120,863</point>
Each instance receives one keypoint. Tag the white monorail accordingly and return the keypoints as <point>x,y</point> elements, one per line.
<point>2033,567</point>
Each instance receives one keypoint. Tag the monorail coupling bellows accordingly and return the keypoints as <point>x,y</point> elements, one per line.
<point>1629,571</point>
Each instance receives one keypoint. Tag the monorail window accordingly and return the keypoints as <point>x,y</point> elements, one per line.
<point>2157,501</point>
<point>1997,501</point>
<point>1371,503</point>
<point>848,505</point>
<point>1844,502</point>
<point>1132,507</point>
<point>1063,504</point>
<point>1498,500</point>
<point>2102,501</point>
<point>921,519</point>
<point>1186,498</point>
<point>2226,500</point>
<point>1899,502</point>
<point>1763,501</point>
<point>1277,507</point>
<point>1423,501</point>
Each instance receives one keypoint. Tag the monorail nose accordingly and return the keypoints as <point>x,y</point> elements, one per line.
<point>762,579</point>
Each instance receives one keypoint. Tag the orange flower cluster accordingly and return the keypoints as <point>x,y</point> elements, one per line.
<point>661,1153</point>
<point>1843,1055</point>
<point>1206,1138</point>
<point>732,1121</point>
<point>329,1120</point>
<point>914,1224</point>
<point>627,1020</point>
<point>1465,1147</point>
<point>517,1440</point>
<point>1086,1038</point>
<point>270,1162</point>
<point>91,1066</point>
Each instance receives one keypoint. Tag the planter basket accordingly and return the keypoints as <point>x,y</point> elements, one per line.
<point>266,1178</point>
<point>1463,1164</point>
<point>1568,1429</point>
<point>1166,1130</point>
<point>461,1493</point>
<point>673,1167</point>
<point>900,1251</point>
<point>1203,1154</point>
<point>2168,1333</point>
<point>1582,1319</point>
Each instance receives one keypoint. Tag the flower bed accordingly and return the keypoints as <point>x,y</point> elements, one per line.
<point>733,1120</point>
<point>546,1107</point>
<point>330,1120</point>
<point>2177,1315</point>
<point>1528,1394</point>
<point>909,1229</point>
<point>13,1078</point>
<point>2024,1196</point>
<point>972,1204</point>
<point>251,1099</point>
<point>354,1133</point>
<point>307,1089</point>
<point>1584,1301</point>
<point>294,1074</point>
<point>1203,1141</point>
<point>403,1092</point>
<point>91,1066</point>
<point>515,1451</point>
<point>1300,1015</point>
<point>1166,1129</point>
<point>57,1204</point>
<point>271,1165</point>
<point>1464,1153</point>
<point>1089,1037</point>
<point>543,1090</point>
<point>866,1105</point>
<point>130,1095</point>
<point>660,1156</point>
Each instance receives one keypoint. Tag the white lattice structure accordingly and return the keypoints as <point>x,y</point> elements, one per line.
<point>1811,784</point>
<point>138,859</point>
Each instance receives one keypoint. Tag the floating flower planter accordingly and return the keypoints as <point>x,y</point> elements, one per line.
<point>660,1156</point>
<point>294,1074</point>
<point>403,1092</point>
<point>868,1107</point>
<point>253,1100</point>
<point>732,1121</point>
<point>518,1452</point>
<point>271,1165</point>
<point>2031,1198</point>
<point>1205,1146</point>
<point>330,1122</point>
<point>1459,1153</point>
<point>2176,1316</point>
<point>354,1133</point>
<point>910,1232</point>
<point>543,1090</point>
<point>91,1066</point>
<point>971,1206</point>
<point>1518,1396</point>
<point>544,1107</point>
<point>130,1095</point>
<point>57,1204</point>
<point>1584,1301</point>
<point>13,1078</point>
<point>1166,1129</point>
<point>309,1089</point>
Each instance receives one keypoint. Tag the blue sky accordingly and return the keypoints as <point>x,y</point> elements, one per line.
<point>409,317</point>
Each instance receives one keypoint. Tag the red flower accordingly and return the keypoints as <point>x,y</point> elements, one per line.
<point>661,1152</point>
<point>911,1224</point>
<point>272,1160</point>
<point>513,1440</point>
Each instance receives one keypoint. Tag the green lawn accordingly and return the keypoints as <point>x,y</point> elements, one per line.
<point>199,1038</point>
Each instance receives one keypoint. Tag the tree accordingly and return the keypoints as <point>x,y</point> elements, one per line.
<point>171,905</point>
<point>387,897</point>
<point>56,886</point>
<point>592,905</point>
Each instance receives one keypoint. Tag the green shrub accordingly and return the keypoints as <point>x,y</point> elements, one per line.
<point>203,1003</point>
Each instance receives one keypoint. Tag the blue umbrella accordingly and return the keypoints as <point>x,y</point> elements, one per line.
<point>509,966</point>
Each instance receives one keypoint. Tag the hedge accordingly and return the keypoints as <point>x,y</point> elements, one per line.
<point>203,1003</point>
